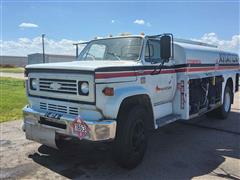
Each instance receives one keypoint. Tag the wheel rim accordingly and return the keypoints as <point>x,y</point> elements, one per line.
<point>138,137</point>
<point>227,101</point>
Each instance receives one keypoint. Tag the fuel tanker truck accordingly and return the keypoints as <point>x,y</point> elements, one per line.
<point>119,88</point>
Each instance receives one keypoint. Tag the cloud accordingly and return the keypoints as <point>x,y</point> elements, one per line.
<point>27,25</point>
<point>142,22</point>
<point>139,21</point>
<point>25,46</point>
<point>230,45</point>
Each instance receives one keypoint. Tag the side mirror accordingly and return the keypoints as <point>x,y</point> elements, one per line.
<point>165,47</point>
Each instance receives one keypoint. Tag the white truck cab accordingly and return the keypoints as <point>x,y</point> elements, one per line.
<point>121,87</point>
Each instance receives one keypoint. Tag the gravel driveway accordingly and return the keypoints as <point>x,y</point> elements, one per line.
<point>200,149</point>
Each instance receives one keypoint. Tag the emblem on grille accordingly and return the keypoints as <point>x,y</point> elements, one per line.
<point>55,86</point>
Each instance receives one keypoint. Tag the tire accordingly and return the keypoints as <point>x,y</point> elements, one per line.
<point>63,143</point>
<point>131,139</point>
<point>223,111</point>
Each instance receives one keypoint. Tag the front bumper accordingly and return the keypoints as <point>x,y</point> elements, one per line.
<point>100,130</point>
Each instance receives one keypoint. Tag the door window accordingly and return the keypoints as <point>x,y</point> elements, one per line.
<point>152,51</point>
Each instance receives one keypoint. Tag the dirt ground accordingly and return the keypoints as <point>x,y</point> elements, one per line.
<point>201,148</point>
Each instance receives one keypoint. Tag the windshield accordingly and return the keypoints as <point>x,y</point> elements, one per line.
<point>124,48</point>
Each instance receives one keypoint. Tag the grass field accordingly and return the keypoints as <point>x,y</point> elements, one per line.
<point>12,99</point>
<point>12,69</point>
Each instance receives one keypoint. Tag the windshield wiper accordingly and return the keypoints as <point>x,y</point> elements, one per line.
<point>113,54</point>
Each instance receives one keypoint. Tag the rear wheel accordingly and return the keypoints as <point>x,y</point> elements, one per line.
<point>223,111</point>
<point>131,140</point>
<point>226,107</point>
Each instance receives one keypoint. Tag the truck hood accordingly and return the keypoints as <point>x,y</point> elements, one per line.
<point>83,65</point>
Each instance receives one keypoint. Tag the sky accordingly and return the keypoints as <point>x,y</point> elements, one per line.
<point>66,22</point>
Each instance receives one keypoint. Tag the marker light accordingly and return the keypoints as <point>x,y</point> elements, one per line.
<point>108,91</point>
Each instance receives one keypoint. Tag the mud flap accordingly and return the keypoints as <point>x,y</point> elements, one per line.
<point>41,135</point>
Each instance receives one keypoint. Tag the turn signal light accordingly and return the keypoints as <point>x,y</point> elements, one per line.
<point>108,91</point>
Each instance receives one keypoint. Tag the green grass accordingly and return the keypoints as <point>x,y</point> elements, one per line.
<point>12,99</point>
<point>12,69</point>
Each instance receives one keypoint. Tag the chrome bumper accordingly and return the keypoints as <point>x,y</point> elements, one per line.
<point>100,130</point>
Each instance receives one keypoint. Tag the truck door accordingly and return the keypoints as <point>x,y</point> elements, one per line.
<point>162,80</point>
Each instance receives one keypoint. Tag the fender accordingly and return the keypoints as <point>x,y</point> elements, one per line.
<point>112,104</point>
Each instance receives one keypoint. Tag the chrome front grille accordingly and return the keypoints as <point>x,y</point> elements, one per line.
<point>58,86</point>
<point>59,108</point>
<point>61,86</point>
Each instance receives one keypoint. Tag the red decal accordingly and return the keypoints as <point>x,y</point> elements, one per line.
<point>194,61</point>
<point>79,127</point>
<point>114,75</point>
<point>129,74</point>
<point>182,100</point>
<point>179,86</point>
<point>104,75</point>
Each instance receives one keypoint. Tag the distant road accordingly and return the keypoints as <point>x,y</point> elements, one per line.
<point>12,75</point>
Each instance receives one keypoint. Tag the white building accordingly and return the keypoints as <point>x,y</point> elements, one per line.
<point>36,58</point>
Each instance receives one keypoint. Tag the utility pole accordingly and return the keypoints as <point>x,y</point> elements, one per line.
<point>43,35</point>
<point>76,44</point>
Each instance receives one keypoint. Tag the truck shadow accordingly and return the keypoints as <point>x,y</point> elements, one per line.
<point>181,150</point>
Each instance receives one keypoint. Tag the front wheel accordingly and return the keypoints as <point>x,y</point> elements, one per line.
<point>131,140</point>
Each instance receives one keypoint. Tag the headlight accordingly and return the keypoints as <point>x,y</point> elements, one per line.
<point>83,88</point>
<point>33,84</point>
